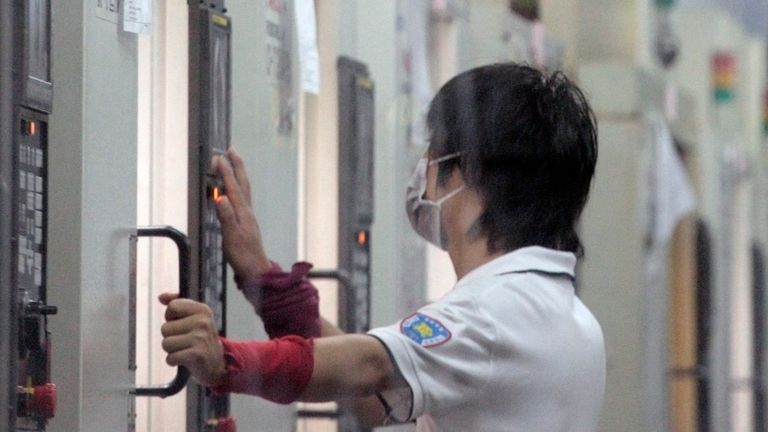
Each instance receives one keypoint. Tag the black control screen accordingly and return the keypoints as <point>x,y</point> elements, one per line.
<point>39,39</point>
<point>220,96</point>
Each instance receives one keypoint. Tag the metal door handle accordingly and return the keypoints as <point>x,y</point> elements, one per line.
<point>182,243</point>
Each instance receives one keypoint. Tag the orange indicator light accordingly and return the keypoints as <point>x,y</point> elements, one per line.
<point>362,237</point>
<point>216,194</point>
<point>29,127</point>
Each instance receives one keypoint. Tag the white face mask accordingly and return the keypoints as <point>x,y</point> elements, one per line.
<point>424,214</point>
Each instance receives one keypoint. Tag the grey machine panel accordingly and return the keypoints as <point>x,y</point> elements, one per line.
<point>210,31</point>
<point>27,389</point>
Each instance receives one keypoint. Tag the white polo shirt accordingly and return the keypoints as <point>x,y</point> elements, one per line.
<point>510,348</point>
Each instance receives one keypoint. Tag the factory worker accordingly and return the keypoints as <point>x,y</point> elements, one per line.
<point>502,185</point>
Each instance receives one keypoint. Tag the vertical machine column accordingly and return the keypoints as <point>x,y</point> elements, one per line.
<point>210,31</point>
<point>27,100</point>
<point>356,129</point>
<point>758,322</point>
<point>7,353</point>
<point>356,132</point>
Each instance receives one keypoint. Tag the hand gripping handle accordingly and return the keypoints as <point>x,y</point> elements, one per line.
<point>182,243</point>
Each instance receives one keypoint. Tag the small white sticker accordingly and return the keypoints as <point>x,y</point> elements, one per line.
<point>137,16</point>
<point>309,57</point>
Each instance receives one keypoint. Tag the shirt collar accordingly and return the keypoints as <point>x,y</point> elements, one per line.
<point>531,258</point>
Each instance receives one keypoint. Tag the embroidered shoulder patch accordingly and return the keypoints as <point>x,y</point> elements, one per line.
<point>425,330</point>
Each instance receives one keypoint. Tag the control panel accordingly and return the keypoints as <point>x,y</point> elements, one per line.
<point>32,97</point>
<point>356,96</point>
<point>36,396</point>
<point>209,101</point>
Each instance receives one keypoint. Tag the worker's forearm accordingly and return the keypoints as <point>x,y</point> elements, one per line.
<point>367,409</point>
<point>348,366</point>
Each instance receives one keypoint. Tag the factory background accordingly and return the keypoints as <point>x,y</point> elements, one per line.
<point>122,102</point>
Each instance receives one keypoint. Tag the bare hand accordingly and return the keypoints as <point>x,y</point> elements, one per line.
<point>242,238</point>
<point>190,338</point>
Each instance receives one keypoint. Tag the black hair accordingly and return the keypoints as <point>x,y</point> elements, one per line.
<point>528,144</point>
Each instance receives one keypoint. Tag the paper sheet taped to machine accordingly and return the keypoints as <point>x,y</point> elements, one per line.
<point>309,57</point>
<point>137,16</point>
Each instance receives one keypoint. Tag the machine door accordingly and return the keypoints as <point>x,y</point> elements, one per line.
<point>210,32</point>
<point>32,396</point>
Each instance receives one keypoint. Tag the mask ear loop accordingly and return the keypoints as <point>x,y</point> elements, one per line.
<point>437,161</point>
<point>450,195</point>
<point>444,158</point>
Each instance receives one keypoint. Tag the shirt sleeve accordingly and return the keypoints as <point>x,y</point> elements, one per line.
<point>443,352</point>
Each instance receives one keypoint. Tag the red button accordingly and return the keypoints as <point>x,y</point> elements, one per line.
<point>226,424</point>
<point>44,401</point>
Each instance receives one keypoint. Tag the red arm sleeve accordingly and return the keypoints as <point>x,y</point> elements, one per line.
<point>277,370</point>
<point>288,303</point>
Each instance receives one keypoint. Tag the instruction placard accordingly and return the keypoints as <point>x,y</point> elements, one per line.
<point>137,16</point>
